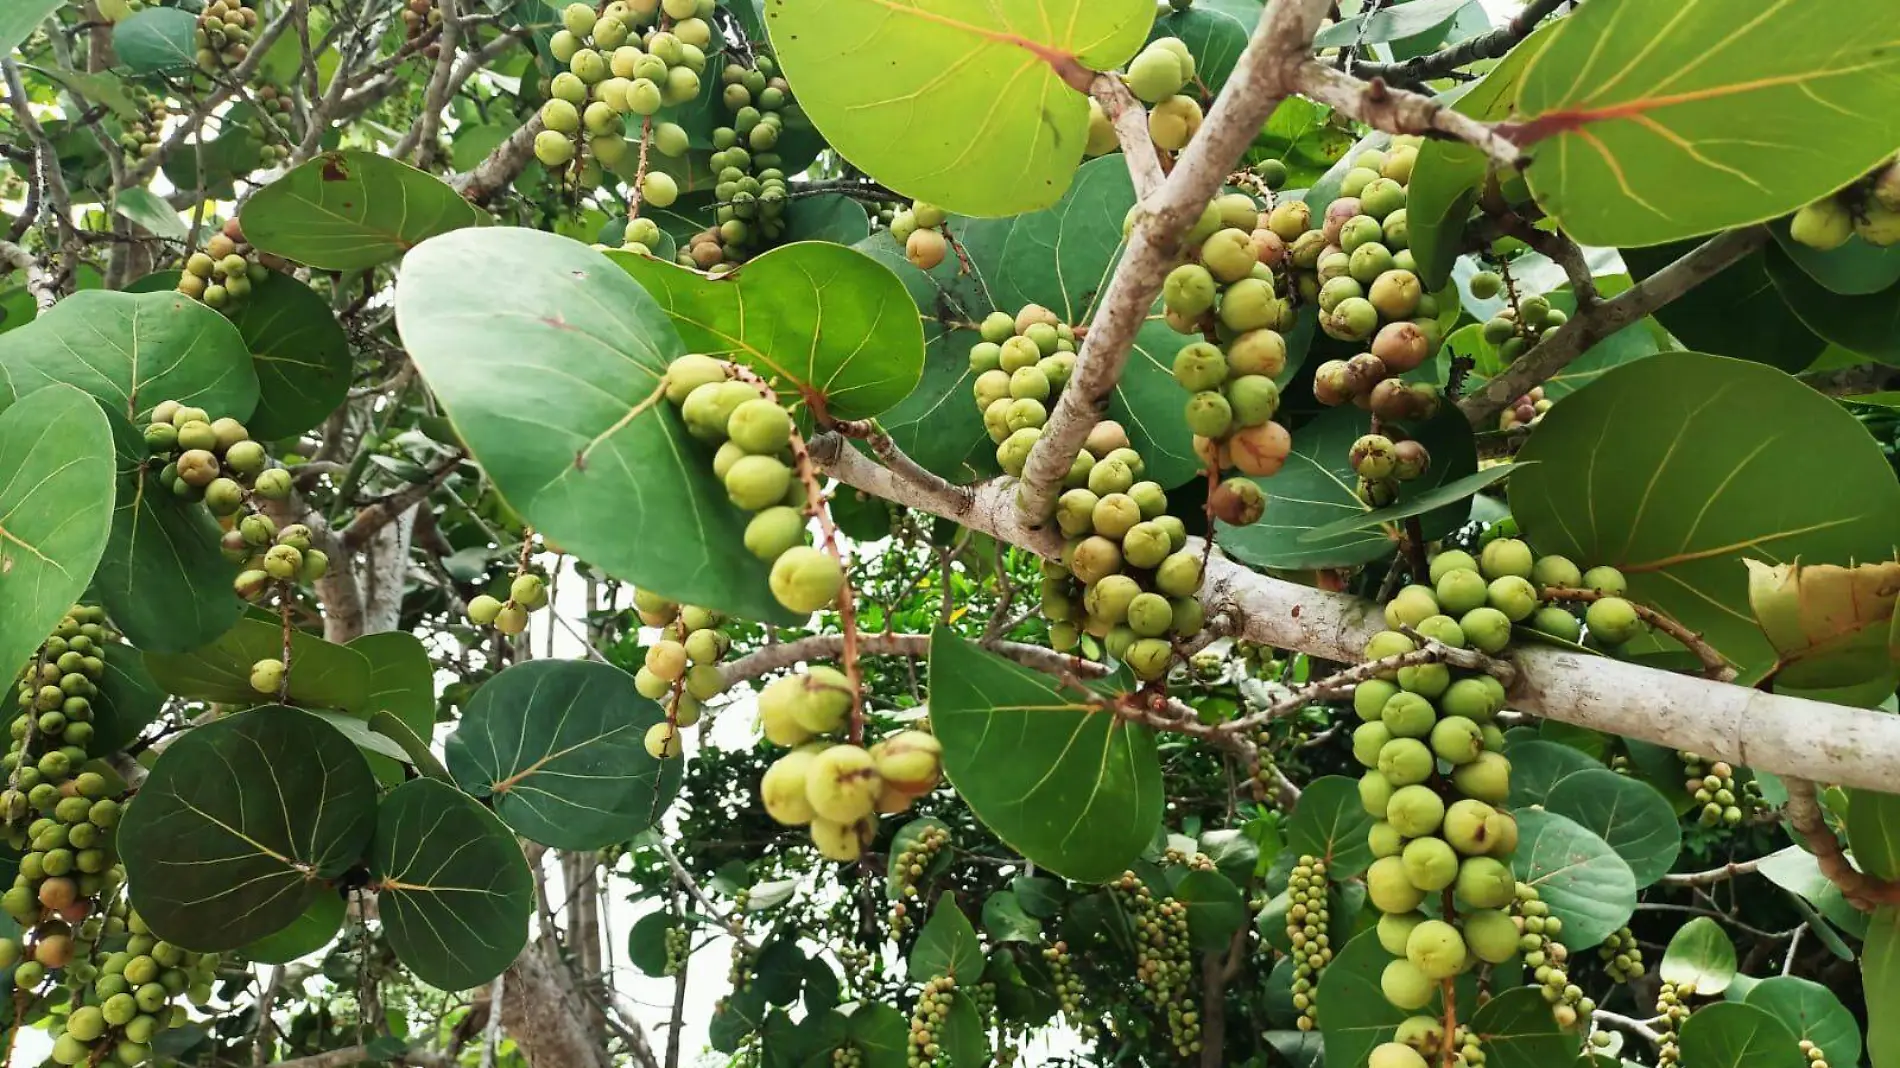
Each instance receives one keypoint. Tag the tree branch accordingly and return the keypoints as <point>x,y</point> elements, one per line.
<point>1397,111</point>
<point>354,1055</point>
<point>1260,80</point>
<point>1864,892</point>
<point>493,174</point>
<point>1572,339</point>
<point>376,516</point>
<point>783,655</point>
<point>1490,45</point>
<point>1131,129</point>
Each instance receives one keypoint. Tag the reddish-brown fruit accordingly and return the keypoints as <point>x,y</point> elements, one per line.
<point>1260,450</point>
<point>1238,502</point>
<point>1402,345</point>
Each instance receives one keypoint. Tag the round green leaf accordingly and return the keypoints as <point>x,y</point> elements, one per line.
<point>1577,874</point>
<point>881,1033</point>
<point>127,701</point>
<point>1538,765</point>
<point>947,945</point>
<point>965,1037</point>
<point>961,103</point>
<point>1005,920</point>
<point>1447,494</point>
<point>302,356</point>
<point>1733,1034</point>
<point>1316,489</point>
<point>646,942</point>
<point>831,217</point>
<point>1357,1016</point>
<point>1880,978</point>
<point>1519,1031</point>
<point>242,824</point>
<point>559,748</point>
<point>1676,498</point>
<point>55,511</point>
<point>1630,145</point>
<point>322,674</point>
<point>306,934</point>
<point>1866,324</point>
<point>553,381</point>
<point>808,317</point>
<point>156,39</point>
<point>1813,1012</point>
<point>1627,813</point>
<point>1072,787</point>
<point>452,888</point>
<point>345,211</point>
<point>401,683</point>
<point>1215,908</point>
<point>1735,313</point>
<point>1331,823</point>
<point>1700,953</point>
<point>1856,268</point>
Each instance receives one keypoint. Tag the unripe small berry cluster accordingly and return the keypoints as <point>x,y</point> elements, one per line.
<point>926,1022</point>
<point>1816,1056</point>
<point>418,17</point>
<point>750,188</point>
<point>1527,410</point>
<point>1519,325</point>
<point>1382,463</point>
<point>756,461</point>
<point>681,669</point>
<point>911,864</point>
<point>1159,77</point>
<point>621,61</point>
<point>847,1057</point>
<point>1672,1006</point>
<point>1163,959</point>
<point>739,970</point>
<point>1355,263</point>
<point>1066,986</point>
<point>679,946</point>
<point>1869,207</point>
<point>527,591</point>
<point>1126,576</point>
<point>1720,801</point>
<point>1547,958</point>
<point>1308,916</point>
<point>1622,956</point>
<point>140,136</point>
<point>222,273</point>
<point>224,34</point>
<point>132,999</point>
<point>54,694</point>
<point>919,229</point>
<point>273,101</point>
<point>1021,365</point>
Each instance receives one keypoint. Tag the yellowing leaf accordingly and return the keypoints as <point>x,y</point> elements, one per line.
<point>1828,623</point>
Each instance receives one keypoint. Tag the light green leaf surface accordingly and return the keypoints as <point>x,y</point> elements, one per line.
<point>1733,1034</point>
<point>1577,874</point>
<point>155,39</point>
<point>349,210</point>
<point>1629,814</point>
<point>150,210</point>
<point>947,945</point>
<point>1330,823</point>
<point>1701,954</point>
<point>1813,1012</point>
<point>322,674</point>
<point>1519,1031</point>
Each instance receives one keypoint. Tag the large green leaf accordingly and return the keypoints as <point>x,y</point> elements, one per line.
<point>957,102</point>
<point>1795,870</point>
<point>1330,822</point>
<point>1700,954</point>
<point>242,824</point>
<point>1880,979</point>
<point>1317,488</point>
<point>346,211</point>
<point>132,351</point>
<point>1215,909</point>
<point>1868,324</point>
<point>401,679</point>
<point>1627,813</point>
<point>1303,136</point>
<point>828,217</point>
<point>1735,313</point>
<point>1520,1031</point>
<point>947,945</point>
<point>808,317</point>
<point>558,747</point>
<point>55,512</point>
<point>306,934</point>
<point>322,674</point>
<point>1676,498</point>
<point>1813,1012</point>
<point>1734,1034</point>
<point>1358,1017</point>
<point>1577,874</point>
<point>1538,765</point>
<point>151,211</point>
<point>452,888</point>
<point>1873,829</point>
<point>1632,144</point>
<point>552,380</point>
<point>127,701</point>
<point>1068,785</point>
<point>1856,268</point>
<point>301,354</point>
<point>156,39</point>
<point>1388,24</point>
<point>880,1033</point>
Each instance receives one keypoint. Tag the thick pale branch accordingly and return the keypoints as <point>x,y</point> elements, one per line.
<point>1787,735</point>
<point>354,1055</point>
<point>493,173</point>
<point>1131,129</point>
<point>1574,338</point>
<point>828,646</point>
<point>1260,80</point>
<point>1397,111</point>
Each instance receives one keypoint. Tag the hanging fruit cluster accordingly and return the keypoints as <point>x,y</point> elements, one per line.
<point>1021,365</point>
<point>1622,956</point>
<point>919,230</point>
<point>132,999</point>
<point>140,136</point>
<point>224,34</point>
<point>621,61</point>
<point>1126,576</point>
<point>215,461</point>
<point>1158,76</point>
<point>1307,916</point>
<point>909,868</point>
<point>1067,987</point>
<point>274,101</point>
<point>1672,1005</point>
<point>836,788</point>
<point>1869,207</point>
<point>681,668</point>
<point>927,1020</point>
<point>223,272</point>
<point>751,186</point>
<point>1164,962</point>
<point>418,18</point>
<point>1721,801</point>
<point>755,462</point>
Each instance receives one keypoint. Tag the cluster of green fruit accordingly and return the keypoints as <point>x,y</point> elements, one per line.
<point>1382,463</point>
<point>141,135</point>
<point>751,187</point>
<point>223,272</point>
<point>755,462</point>
<point>909,867</point>
<point>418,17</point>
<point>1672,1011</point>
<point>224,34</point>
<point>275,103</point>
<point>847,1057</point>
<point>1308,913</point>
<point>271,555</point>
<point>681,668</point>
<point>216,462</point>
<point>1158,76</point>
<point>919,229</point>
<point>1362,274</point>
<point>679,946</point>
<point>133,998</point>
<point>55,694</point>
<point>1816,1056</point>
<point>1548,958</point>
<point>620,61</point>
<point>1719,799</point>
<point>1508,584</point>
<point>1869,207</point>
<point>1021,365</point>
<point>1067,986</point>
<point>1527,410</point>
<point>924,1050</point>
<point>527,591</point>
<point>1164,961</point>
<point>1622,956</point>
<point>1126,577</point>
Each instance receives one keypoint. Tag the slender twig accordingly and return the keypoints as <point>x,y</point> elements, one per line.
<point>239,75</point>
<point>1863,891</point>
<point>1714,664</point>
<point>1131,129</point>
<point>1471,50</point>
<point>1710,877</point>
